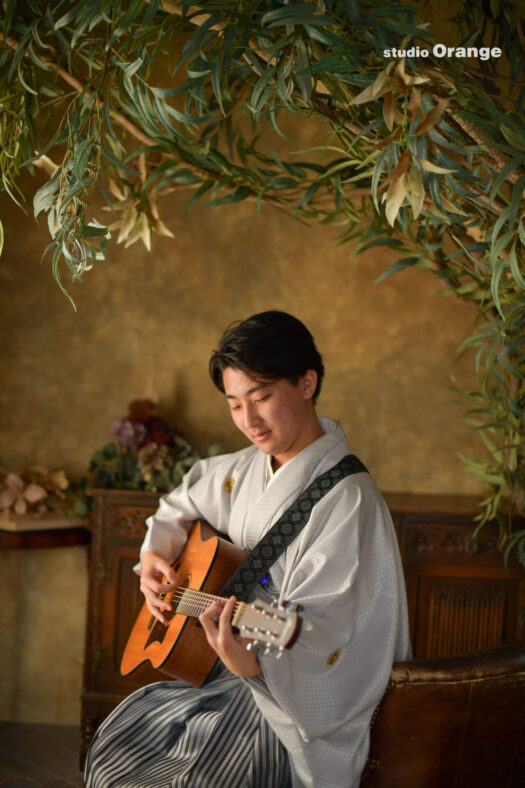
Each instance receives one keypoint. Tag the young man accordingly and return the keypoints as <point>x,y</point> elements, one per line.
<point>260,722</point>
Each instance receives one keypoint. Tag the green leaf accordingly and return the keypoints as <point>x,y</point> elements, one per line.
<point>494,284</point>
<point>36,60</point>
<point>64,20</point>
<point>302,79</point>
<point>259,92</point>
<point>81,508</point>
<point>9,6</point>
<point>399,265</point>
<point>501,244</point>
<point>46,195</point>
<point>134,9</point>
<point>517,194</point>
<point>198,194</point>
<point>307,196</point>
<point>376,175</point>
<point>521,231</point>
<point>512,165</point>
<point>238,194</point>
<point>19,52</point>
<point>501,220</point>
<point>216,71</point>
<point>131,68</point>
<point>515,137</point>
<point>296,14</point>
<point>514,267</point>
<point>516,542</point>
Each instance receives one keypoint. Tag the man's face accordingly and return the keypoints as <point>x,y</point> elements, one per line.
<point>275,416</point>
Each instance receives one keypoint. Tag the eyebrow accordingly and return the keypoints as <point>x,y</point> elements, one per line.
<point>252,390</point>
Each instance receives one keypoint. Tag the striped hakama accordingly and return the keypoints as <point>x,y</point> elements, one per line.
<point>170,735</point>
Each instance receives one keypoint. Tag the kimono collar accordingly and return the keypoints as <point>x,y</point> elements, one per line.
<point>260,502</point>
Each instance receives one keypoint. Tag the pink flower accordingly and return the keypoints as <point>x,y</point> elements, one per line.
<point>129,434</point>
<point>17,496</point>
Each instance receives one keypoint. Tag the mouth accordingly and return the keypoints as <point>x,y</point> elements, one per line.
<point>260,436</point>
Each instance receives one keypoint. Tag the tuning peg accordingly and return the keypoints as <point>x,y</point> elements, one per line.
<point>280,652</point>
<point>294,608</point>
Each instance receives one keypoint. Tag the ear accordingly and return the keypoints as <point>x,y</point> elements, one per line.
<point>308,383</point>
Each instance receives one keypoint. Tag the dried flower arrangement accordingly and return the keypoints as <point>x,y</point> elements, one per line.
<point>33,491</point>
<point>149,454</point>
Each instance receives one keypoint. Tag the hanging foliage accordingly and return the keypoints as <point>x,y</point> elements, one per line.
<point>424,153</point>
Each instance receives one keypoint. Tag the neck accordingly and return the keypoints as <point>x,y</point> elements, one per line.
<point>312,432</point>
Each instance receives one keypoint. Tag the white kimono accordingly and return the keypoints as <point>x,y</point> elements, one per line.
<point>345,571</point>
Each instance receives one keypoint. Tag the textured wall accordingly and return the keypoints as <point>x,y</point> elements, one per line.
<point>42,622</point>
<point>145,326</point>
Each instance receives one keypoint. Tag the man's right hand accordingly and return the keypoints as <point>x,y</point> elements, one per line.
<point>154,570</point>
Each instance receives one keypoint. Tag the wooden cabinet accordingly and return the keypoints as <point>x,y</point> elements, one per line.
<point>118,523</point>
<point>461,597</point>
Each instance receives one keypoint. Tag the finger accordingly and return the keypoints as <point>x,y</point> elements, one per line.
<point>227,637</point>
<point>227,614</point>
<point>154,568</point>
<point>212,613</point>
<point>156,586</point>
<point>156,605</point>
<point>154,610</point>
<point>209,621</point>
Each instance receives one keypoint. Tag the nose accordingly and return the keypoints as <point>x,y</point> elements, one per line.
<point>251,417</point>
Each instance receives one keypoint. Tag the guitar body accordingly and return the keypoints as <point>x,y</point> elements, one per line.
<point>180,649</point>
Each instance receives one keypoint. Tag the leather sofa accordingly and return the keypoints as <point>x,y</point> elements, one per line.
<point>453,722</point>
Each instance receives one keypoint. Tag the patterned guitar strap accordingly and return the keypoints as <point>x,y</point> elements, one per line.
<point>288,526</point>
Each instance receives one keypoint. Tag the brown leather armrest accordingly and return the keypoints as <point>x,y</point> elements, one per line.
<point>503,660</point>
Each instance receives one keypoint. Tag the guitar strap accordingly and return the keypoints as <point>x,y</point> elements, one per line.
<point>288,526</point>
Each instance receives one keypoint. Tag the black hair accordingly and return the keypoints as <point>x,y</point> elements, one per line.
<point>268,346</point>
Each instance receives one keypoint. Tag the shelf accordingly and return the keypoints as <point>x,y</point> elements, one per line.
<point>22,532</point>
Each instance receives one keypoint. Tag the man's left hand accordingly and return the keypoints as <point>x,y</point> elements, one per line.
<point>230,647</point>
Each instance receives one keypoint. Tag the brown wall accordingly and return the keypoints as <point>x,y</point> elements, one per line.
<point>145,326</point>
<point>146,323</point>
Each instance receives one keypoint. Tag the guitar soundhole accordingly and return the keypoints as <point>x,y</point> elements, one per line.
<point>159,630</point>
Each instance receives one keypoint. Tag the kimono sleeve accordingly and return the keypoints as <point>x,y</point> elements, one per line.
<point>168,528</point>
<point>346,574</point>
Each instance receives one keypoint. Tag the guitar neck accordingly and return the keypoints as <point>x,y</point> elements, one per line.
<point>274,626</point>
<point>190,602</point>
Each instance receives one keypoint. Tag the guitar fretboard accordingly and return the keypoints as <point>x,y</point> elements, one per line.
<point>190,602</point>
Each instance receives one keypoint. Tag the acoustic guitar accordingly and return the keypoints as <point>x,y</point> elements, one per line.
<point>179,649</point>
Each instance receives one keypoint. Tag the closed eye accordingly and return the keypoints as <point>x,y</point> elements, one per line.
<point>261,399</point>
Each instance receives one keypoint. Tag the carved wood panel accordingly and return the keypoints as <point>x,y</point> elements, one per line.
<point>435,541</point>
<point>458,616</point>
<point>128,521</point>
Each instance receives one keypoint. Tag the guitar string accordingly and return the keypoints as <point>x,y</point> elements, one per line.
<point>199,601</point>
<point>196,598</point>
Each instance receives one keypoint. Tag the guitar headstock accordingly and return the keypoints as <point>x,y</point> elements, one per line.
<point>274,626</point>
